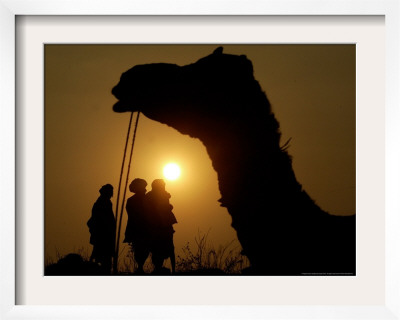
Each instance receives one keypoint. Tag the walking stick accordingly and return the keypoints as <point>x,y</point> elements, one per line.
<point>115,265</point>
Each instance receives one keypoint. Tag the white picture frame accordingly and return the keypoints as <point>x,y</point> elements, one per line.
<point>9,177</point>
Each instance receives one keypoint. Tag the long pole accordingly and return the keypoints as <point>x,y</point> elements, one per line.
<point>119,186</point>
<point>115,268</point>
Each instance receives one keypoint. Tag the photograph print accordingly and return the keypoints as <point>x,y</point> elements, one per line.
<point>200,160</point>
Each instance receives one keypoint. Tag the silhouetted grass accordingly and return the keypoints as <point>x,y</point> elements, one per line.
<point>128,265</point>
<point>226,258</point>
<point>202,258</point>
<point>83,252</point>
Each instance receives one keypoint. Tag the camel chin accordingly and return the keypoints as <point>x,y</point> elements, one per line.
<point>121,107</point>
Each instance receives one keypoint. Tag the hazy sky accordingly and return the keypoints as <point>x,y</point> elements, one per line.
<point>312,92</point>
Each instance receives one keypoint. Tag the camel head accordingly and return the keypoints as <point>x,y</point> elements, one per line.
<point>214,91</point>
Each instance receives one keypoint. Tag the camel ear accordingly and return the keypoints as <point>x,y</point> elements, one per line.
<point>218,50</point>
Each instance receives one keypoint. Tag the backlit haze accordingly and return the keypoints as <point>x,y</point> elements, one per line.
<point>172,171</point>
<point>312,92</point>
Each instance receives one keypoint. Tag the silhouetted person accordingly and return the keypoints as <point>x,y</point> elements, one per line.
<point>102,229</point>
<point>137,228</point>
<point>159,211</point>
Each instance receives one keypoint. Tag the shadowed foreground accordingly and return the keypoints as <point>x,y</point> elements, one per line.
<point>75,265</point>
<point>202,259</point>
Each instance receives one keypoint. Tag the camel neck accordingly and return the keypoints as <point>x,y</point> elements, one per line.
<point>246,170</point>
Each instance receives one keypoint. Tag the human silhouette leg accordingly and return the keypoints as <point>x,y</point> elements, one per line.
<point>105,262</point>
<point>171,249</point>
<point>141,255</point>
<point>92,256</point>
<point>172,257</point>
<point>157,262</point>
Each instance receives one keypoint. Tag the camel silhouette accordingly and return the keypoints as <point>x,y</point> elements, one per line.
<point>217,100</point>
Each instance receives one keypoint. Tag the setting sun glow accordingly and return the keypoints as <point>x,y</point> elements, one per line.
<point>172,171</point>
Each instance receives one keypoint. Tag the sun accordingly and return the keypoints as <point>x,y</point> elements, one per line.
<point>171,171</point>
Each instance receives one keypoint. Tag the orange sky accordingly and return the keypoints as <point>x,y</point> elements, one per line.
<point>312,92</point>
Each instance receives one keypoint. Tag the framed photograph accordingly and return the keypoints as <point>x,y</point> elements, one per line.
<point>329,76</point>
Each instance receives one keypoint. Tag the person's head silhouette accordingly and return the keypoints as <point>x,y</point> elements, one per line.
<point>158,185</point>
<point>138,186</point>
<point>107,191</point>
